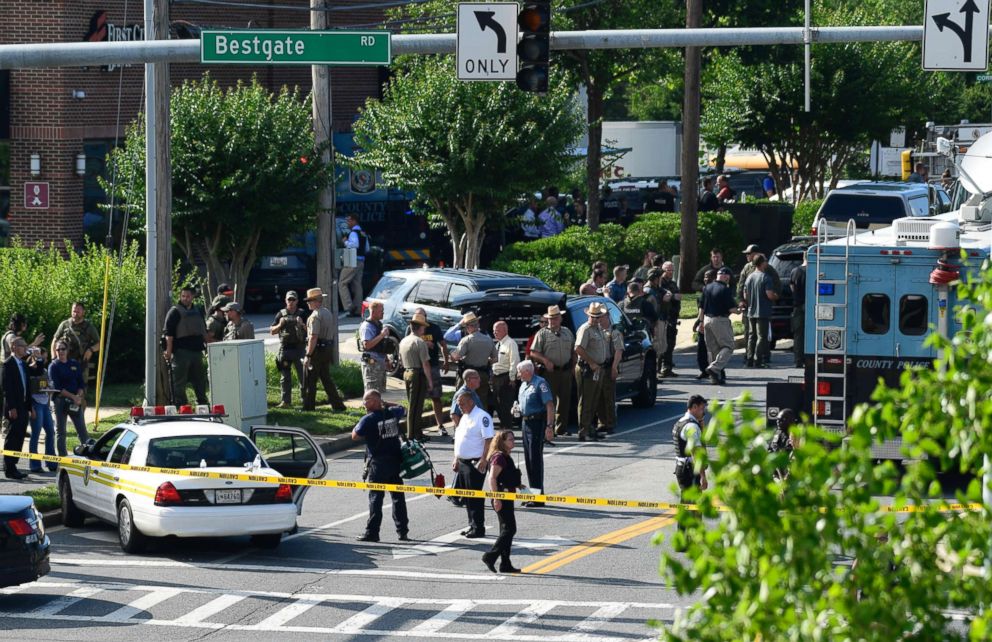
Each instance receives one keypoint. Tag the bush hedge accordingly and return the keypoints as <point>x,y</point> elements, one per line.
<point>42,284</point>
<point>802,220</point>
<point>563,261</point>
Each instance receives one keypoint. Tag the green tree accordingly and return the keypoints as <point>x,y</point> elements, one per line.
<point>774,562</point>
<point>242,177</point>
<point>469,150</point>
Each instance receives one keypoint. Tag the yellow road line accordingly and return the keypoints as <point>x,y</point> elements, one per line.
<point>598,543</point>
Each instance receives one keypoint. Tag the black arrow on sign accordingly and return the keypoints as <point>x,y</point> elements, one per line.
<point>486,19</point>
<point>969,10</point>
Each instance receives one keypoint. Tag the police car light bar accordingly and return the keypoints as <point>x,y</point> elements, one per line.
<point>185,411</point>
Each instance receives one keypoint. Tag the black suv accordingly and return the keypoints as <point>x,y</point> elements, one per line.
<point>785,259</point>
<point>638,379</point>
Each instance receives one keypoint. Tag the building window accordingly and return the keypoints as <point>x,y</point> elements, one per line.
<point>96,219</point>
<point>875,314</point>
<point>913,314</point>
<point>4,178</point>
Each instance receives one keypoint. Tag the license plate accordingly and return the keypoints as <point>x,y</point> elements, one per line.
<point>31,539</point>
<point>230,496</point>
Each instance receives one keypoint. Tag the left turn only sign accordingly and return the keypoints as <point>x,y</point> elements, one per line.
<point>487,41</point>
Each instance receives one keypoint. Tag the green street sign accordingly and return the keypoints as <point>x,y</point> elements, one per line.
<point>984,78</point>
<point>271,47</point>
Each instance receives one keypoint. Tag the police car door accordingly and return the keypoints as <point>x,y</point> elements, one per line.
<point>293,453</point>
<point>93,488</point>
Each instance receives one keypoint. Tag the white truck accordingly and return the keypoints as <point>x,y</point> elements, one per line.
<point>650,148</point>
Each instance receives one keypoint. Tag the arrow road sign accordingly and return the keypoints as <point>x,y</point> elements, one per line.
<point>956,35</point>
<point>485,32</point>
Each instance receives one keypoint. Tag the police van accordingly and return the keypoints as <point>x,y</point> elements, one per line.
<point>874,296</point>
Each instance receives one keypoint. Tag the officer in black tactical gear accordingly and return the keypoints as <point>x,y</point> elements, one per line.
<point>687,435</point>
<point>290,325</point>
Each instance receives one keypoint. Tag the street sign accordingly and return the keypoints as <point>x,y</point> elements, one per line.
<point>487,41</point>
<point>956,35</point>
<point>272,47</point>
<point>36,196</point>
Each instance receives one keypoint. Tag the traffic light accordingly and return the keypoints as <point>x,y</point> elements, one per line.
<point>534,46</point>
<point>907,163</point>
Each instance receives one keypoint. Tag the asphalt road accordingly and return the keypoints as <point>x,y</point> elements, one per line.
<point>590,574</point>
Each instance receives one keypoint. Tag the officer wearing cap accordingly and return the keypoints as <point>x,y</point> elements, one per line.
<point>416,360</point>
<point>591,348</point>
<point>714,320</point>
<point>217,321</point>
<point>476,351</point>
<point>606,412</point>
<point>317,358</point>
<point>554,348</point>
<point>290,325</point>
<point>185,332</point>
<point>238,327</point>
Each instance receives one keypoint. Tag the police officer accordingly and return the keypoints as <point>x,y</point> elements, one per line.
<point>607,409</point>
<point>290,325</point>
<point>797,281</point>
<point>504,378</point>
<point>537,410</point>
<point>638,306</point>
<point>380,429</point>
<point>475,351</point>
<point>750,252</point>
<point>553,348</point>
<point>473,435</point>
<point>687,435</point>
<point>317,358</point>
<point>668,283</point>
<point>417,375</point>
<point>470,386</point>
<point>238,327</point>
<point>372,341</point>
<point>714,320</point>
<point>783,440</point>
<point>217,322</point>
<point>80,335</point>
<point>591,348</point>
<point>662,300</point>
<point>185,332</point>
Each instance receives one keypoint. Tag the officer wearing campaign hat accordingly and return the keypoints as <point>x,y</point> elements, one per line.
<point>591,349</point>
<point>321,331</point>
<point>554,349</point>
<point>475,351</point>
<point>238,327</point>
<point>417,375</point>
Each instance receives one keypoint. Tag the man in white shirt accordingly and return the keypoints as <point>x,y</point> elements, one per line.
<point>473,434</point>
<point>504,381</point>
<point>350,280</point>
<point>528,222</point>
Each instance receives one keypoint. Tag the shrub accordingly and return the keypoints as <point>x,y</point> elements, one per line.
<point>802,220</point>
<point>562,275</point>
<point>43,283</point>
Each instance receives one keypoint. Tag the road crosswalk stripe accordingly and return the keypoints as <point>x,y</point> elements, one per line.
<point>141,604</point>
<point>443,618</point>
<point>527,616</point>
<point>197,616</point>
<point>357,623</point>
<point>63,602</point>
<point>602,616</point>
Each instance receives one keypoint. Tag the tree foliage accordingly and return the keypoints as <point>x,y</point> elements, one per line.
<point>775,564</point>
<point>242,178</point>
<point>469,150</point>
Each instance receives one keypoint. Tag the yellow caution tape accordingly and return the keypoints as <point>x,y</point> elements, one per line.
<point>464,493</point>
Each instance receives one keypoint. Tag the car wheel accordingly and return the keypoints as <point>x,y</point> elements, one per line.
<point>647,394</point>
<point>71,515</point>
<point>266,541</point>
<point>132,540</point>
<point>394,357</point>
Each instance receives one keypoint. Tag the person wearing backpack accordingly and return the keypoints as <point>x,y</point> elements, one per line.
<point>380,429</point>
<point>350,281</point>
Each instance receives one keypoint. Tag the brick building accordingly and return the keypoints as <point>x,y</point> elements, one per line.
<point>57,125</point>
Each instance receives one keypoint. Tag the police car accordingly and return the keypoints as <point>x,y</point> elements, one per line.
<point>145,505</point>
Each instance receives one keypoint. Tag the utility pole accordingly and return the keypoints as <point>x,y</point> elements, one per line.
<point>327,270</point>
<point>690,150</point>
<point>158,199</point>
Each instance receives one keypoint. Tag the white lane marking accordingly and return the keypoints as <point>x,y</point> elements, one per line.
<point>600,618</point>
<point>98,536</point>
<point>527,616</point>
<point>287,613</point>
<point>357,622</point>
<point>63,602</point>
<point>196,617</point>
<point>140,605</point>
<point>443,544</point>
<point>143,563</point>
<point>445,617</point>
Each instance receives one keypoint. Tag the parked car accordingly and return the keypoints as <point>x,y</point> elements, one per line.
<point>143,505</point>
<point>24,546</point>
<point>434,289</point>
<point>273,276</point>
<point>638,379</point>
<point>785,259</point>
<point>872,205</point>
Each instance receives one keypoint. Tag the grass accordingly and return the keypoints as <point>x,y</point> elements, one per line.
<point>118,395</point>
<point>690,306</point>
<point>46,498</point>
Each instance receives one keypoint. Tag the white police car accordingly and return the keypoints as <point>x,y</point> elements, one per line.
<point>158,504</point>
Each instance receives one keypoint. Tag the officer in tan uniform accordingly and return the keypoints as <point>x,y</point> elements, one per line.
<point>416,360</point>
<point>607,411</point>
<point>317,360</point>
<point>475,351</point>
<point>237,327</point>
<point>553,348</point>
<point>80,336</point>
<point>591,348</point>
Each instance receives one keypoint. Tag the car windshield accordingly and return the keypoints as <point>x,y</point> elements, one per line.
<point>385,287</point>
<point>188,451</point>
<point>864,209</point>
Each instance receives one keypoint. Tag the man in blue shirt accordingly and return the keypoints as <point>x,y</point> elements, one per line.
<point>617,288</point>
<point>381,431</point>
<point>537,411</point>
<point>350,281</point>
<point>472,381</point>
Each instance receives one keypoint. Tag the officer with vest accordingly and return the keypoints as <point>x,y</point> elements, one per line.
<point>592,350</point>
<point>217,322</point>
<point>606,412</point>
<point>238,327</point>
<point>185,336</point>
<point>380,429</point>
<point>317,358</point>
<point>80,335</point>
<point>637,305</point>
<point>417,375</point>
<point>372,341</point>
<point>674,312</point>
<point>290,325</point>
<point>554,348</point>
<point>687,435</point>
<point>662,300</point>
<point>537,412</point>
<point>476,351</point>
<point>350,281</point>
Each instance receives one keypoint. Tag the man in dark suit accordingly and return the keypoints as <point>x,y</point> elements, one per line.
<point>17,404</point>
